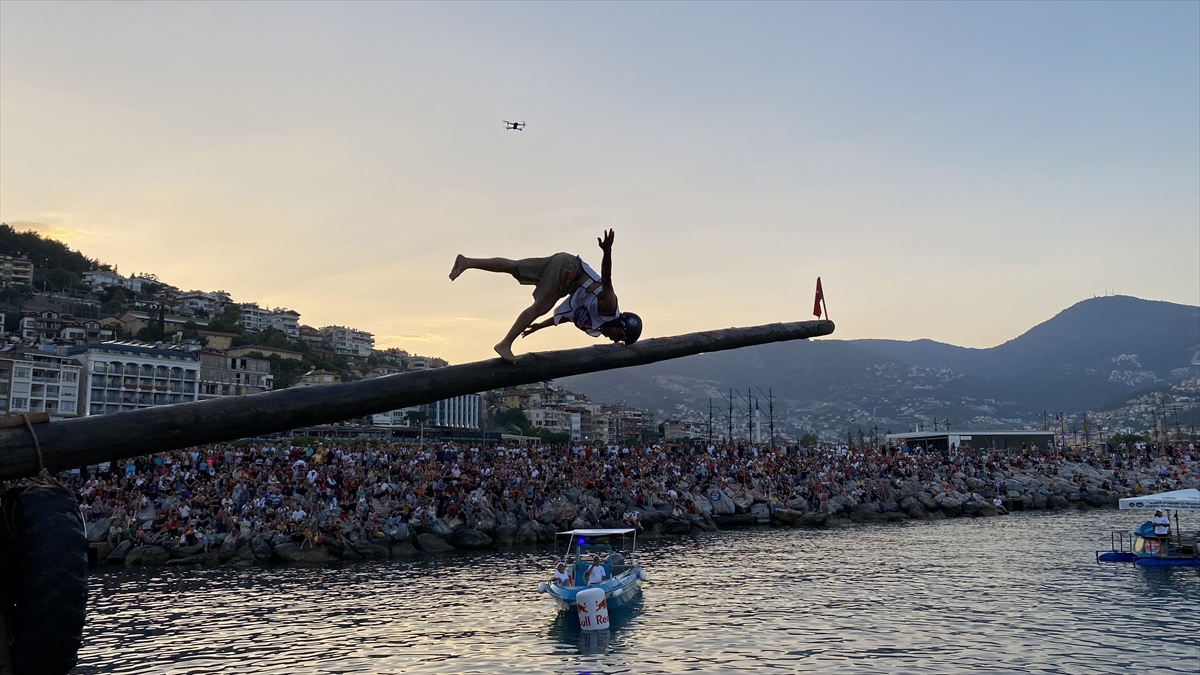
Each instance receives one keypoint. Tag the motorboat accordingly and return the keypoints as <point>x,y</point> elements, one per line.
<point>622,576</point>
<point>1143,548</point>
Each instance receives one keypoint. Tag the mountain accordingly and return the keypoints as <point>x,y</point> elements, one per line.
<point>1096,351</point>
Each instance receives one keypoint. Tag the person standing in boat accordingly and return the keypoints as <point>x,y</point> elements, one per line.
<point>595,574</point>
<point>1162,527</point>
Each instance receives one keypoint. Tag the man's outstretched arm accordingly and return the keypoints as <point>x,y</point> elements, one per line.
<point>538,326</point>
<point>607,299</point>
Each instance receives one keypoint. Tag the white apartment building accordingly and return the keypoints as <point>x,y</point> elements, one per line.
<point>348,341</point>
<point>133,375</point>
<point>254,318</point>
<point>550,418</point>
<point>36,381</point>
<point>460,412</point>
<point>203,304</point>
<point>287,321</point>
<point>97,279</point>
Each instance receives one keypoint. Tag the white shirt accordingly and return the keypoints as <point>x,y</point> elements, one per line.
<point>582,308</point>
<point>595,575</point>
<point>1162,524</point>
<point>561,577</point>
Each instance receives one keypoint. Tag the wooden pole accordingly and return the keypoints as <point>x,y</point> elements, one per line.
<point>104,438</point>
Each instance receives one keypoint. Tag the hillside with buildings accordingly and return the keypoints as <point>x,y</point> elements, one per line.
<point>79,338</point>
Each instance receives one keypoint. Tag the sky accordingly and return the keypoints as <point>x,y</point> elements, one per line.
<point>953,171</point>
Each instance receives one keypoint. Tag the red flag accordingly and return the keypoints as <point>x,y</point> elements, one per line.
<point>819,299</point>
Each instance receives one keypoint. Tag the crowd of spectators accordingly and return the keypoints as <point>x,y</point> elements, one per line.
<point>315,492</point>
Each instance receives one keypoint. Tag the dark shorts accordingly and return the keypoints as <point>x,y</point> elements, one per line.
<point>555,277</point>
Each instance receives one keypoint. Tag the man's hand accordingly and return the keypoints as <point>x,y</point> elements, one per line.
<point>607,242</point>
<point>535,327</point>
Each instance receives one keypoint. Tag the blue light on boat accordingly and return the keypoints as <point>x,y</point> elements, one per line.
<point>581,541</point>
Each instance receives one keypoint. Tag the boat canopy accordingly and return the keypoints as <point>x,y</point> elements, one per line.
<point>1181,500</point>
<point>603,533</point>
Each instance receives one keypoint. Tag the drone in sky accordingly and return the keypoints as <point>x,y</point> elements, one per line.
<point>514,126</point>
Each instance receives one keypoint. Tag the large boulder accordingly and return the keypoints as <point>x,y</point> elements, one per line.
<point>761,512</point>
<point>674,526</point>
<point>592,503</point>
<point>723,505</point>
<point>369,549</point>
<point>102,550</point>
<point>431,544</point>
<point>118,554</point>
<point>651,517</point>
<point>786,516</point>
<point>815,519</point>
<point>559,511</point>
<point>437,527</point>
<point>527,533</point>
<point>343,550</point>
<point>187,551</point>
<point>471,539</point>
<point>261,549</point>
<point>403,549</point>
<point>396,530</point>
<point>655,532</point>
<point>229,547</point>
<point>927,501</point>
<point>1098,499</point>
<point>98,530</point>
<point>145,513</point>
<point>209,559</point>
<point>741,501</point>
<point>704,505</point>
<point>951,500</point>
<point>487,524</point>
<point>506,535</point>
<point>146,556</point>
<point>507,519</point>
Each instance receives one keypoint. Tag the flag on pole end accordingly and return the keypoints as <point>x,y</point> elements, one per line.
<point>818,300</point>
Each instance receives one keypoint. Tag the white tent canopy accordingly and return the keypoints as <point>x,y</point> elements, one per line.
<point>1182,500</point>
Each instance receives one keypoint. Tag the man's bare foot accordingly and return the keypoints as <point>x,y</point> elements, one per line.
<point>505,352</point>
<point>460,266</point>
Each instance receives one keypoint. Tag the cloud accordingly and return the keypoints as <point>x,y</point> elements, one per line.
<point>49,230</point>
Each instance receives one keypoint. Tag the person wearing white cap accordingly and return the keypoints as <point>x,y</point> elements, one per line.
<point>1162,524</point>
<point>561,576</point>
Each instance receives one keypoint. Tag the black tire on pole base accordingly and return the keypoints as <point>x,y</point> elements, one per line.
<point>48,580</point>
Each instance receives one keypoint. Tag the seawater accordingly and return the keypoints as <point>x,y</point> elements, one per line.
<point>1014,594</point>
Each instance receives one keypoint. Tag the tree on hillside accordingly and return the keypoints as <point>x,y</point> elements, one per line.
<point>228,321</point>
<point>44,253</point>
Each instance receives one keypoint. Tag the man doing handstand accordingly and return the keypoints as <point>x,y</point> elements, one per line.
<point>590,301</point>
